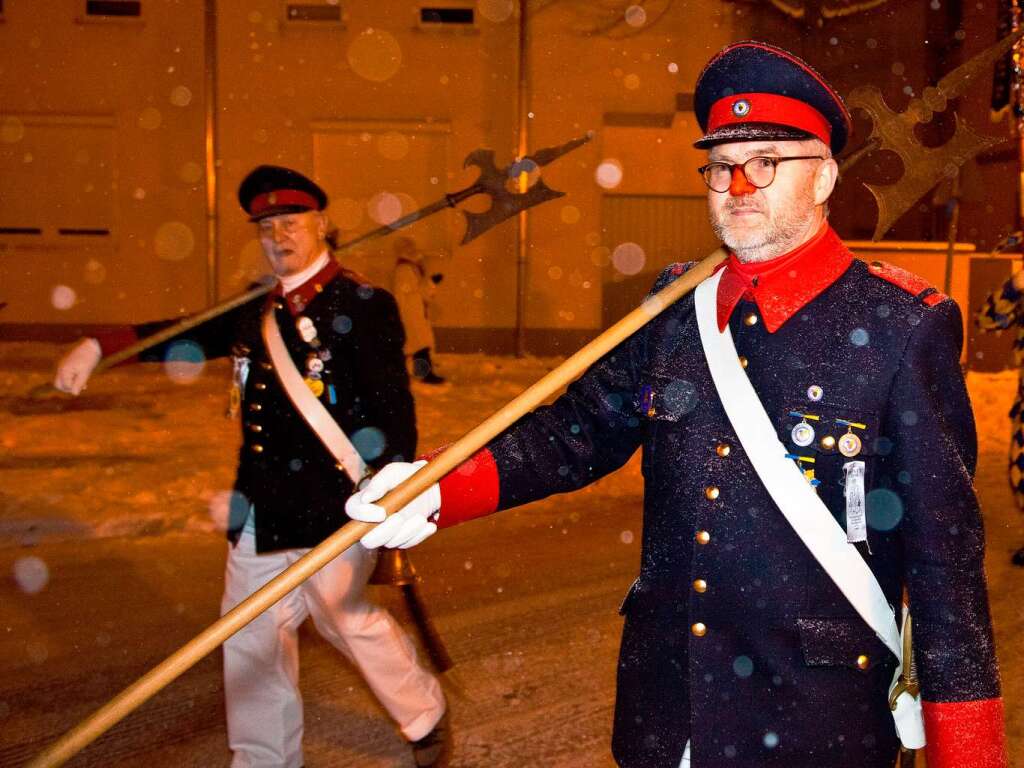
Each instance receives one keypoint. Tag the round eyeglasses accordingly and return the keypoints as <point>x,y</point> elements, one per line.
<point>759,171</point>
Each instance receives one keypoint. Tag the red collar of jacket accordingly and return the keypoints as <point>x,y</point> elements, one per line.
<point>298,299</point>
<point>784,285</point>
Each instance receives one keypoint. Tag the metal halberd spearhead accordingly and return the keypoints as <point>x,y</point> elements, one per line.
<point>494,182</point>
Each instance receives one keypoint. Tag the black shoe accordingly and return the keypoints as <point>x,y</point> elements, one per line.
<point>433,378</point>
<point>434,749</point>
<point>1018,558</point>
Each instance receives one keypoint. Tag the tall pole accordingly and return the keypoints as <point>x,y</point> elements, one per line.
<point>1016,104</point>
<point>522,242</point>
<point>210,53</point>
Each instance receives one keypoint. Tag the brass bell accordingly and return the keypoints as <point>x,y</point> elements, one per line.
<point>394,569</point>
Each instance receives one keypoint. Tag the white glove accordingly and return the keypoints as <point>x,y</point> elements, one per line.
<point>77,365</point>
<point>408,526</point>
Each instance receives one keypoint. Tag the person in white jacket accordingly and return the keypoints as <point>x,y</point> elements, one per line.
<point>414,291</point>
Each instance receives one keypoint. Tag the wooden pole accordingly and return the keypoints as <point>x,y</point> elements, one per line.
<point>349,534</point>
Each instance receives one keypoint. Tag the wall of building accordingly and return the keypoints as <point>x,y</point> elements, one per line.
<point>102,129</point>
<point>379,106</point>
<point>102,215</point>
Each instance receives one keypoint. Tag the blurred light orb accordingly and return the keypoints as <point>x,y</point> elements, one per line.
<point>609,174</point>
<point>184,362</point>
<point>95,272</point>
<point>375,55</point>
<point>673,67</point>
<point>393,145</point>
<point>342,324</point>
<point>628,258</point>
<point>601,256</point>
<point>570,214</point>
<point>190,172</point>
<point>174,241</point>
<point>632,82</point>
<point>370,442</point>
<point>522,175</point>
<point>743,666</point>
<point>228,510</point>
<point>346,213</point>
<point>31,574</point>
<point>150,119</point>
<point>252,264</point>
<point>555,272</point>
<point>384,207</point>
<point>63,297</point>
<point>884,509</point>
<point>495,10</point>
<point>37,651</point>
<point>636,16</point>
<point>181,96</point>
<point>626,537</point>
<point>12,130</point>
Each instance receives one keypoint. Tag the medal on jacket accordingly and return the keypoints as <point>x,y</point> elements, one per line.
<point>307,331</point>
<point>314,364</point>
<point>315,384</point>
<point>239,375</point>
<point>850,444</point>
<point>647,401</point>
<point>314,374</point>
<point>808,471</point>
<point>803,433</point>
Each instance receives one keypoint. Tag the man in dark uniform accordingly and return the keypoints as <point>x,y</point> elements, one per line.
<point>739,649</point>
<point>344,339</point>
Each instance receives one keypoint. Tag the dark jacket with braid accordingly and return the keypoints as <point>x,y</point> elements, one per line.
<point>295,485</point>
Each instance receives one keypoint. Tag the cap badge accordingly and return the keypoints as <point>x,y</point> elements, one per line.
<point>272,198</point>
<point>741,108</point>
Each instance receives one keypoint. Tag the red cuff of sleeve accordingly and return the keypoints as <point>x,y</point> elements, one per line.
<point>116,339</point>
<point>470,490</point>
<point>965,734</point>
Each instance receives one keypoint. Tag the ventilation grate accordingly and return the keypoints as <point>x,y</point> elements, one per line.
<point>456,16</point>
<point>120,8</point>
<point>309,12</point>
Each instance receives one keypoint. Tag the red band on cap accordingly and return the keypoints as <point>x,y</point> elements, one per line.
<point>269,200</point>
<point>769,108</point>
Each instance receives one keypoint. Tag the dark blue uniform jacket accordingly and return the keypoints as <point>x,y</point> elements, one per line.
<point>785,673</point>
<point>297,488</point>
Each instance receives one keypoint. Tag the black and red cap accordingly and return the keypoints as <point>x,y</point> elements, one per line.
<point>752,91</point>
<point>271,190</point>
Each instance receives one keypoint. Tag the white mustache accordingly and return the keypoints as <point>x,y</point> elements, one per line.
<point>742,205</point>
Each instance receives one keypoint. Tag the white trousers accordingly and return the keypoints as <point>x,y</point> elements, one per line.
<point>261,662</point>
<point>685,762</point>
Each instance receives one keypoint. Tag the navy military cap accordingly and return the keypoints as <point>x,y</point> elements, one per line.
<point>270,190</point>
<point>753,91</point>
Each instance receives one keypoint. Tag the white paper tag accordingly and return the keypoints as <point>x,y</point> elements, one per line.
<point>856,519</point>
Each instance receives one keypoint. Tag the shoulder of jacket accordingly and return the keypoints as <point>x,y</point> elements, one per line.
<point>915,285</point>
<point>671,272</point>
